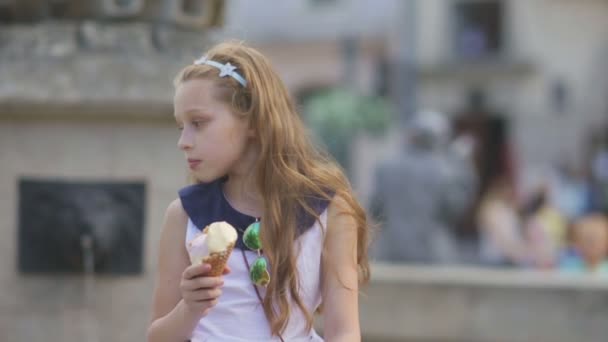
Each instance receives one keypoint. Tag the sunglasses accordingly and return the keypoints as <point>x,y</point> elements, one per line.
<point>258,272</point>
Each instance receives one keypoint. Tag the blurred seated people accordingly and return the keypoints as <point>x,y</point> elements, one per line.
<point>420,193</point>
<point>500,228</point>
<point>599,176</point>
<point>571,191</point>
<point>544,230</point>
<point>589,248</point>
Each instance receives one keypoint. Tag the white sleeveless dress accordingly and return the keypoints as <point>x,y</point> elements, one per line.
<point>239,315</point>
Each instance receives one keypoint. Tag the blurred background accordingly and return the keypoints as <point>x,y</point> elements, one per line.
<point>474,132</point>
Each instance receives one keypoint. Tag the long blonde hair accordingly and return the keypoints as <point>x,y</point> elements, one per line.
<point>290,171</point>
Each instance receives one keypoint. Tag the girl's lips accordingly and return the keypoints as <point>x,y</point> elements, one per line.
<point>193,163</point>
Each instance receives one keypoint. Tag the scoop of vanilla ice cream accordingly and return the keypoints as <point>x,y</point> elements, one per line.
<point>219,236</point>
<point>197,248</point>
<point>214,239</point>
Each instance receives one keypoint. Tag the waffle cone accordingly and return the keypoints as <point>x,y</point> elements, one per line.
<point>218,261</point>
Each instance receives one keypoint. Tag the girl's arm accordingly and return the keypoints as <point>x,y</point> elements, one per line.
<point>170,319</point>
<point>173,317</point>
<point>340,283</point>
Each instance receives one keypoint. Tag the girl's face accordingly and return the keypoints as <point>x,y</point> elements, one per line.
<point>215,140</point>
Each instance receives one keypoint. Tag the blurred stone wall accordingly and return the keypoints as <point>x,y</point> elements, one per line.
<point>87,101</point>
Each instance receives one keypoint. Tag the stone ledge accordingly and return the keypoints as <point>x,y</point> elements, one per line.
<point>90,77</point>
<point>484,68</point>
<point>67,64</point>
<point>383,273</point>
<point>409,303</point>
<point>62,38</point>
<point>402,303</point>
<point>116,110</point>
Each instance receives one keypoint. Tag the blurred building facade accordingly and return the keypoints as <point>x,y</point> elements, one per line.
<point>547,80</point>
<point>317,44</point>
<point>519,58</point>
<point>523,62</point>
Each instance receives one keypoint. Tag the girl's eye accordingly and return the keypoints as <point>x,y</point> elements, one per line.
<point>180,128</point>
<point>198,123</point>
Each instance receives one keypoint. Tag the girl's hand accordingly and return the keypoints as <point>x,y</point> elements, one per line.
<point>199,291</point>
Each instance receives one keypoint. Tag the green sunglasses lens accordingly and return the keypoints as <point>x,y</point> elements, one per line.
<point>251,237</point>
<point>259,272</point>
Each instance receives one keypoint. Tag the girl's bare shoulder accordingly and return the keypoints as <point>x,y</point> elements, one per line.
<point>176,219</point>
<point>175,211</point>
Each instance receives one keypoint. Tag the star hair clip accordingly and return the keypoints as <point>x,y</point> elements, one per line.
<point>225,69</point>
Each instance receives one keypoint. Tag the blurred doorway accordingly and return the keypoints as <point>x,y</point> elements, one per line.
<point>492,153</point>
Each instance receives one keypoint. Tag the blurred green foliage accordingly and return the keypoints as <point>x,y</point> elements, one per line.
<point>338,115</point>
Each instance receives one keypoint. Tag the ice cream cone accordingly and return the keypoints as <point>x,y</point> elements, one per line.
<point>213,246</point>
<point>218,261</point>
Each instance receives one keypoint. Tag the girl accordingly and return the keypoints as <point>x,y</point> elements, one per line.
<point>251,160</point>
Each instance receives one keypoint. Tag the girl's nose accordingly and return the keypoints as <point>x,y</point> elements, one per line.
<point>185,141</point>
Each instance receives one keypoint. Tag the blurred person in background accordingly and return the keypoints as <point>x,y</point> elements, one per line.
<point>492,156</point>
<point>502,242</point>
<point>545,229</point>
<point>599,174</point>
<point>589,246</point>
<point>420,194</point>
<point>571,191</point>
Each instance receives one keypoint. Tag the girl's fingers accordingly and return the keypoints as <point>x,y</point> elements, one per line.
<point>226,270</point>
<point>206,295</point>
<point>202,295</point>
<point>201,283</point>
<point>194,271</point>
<point>211,303</point>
